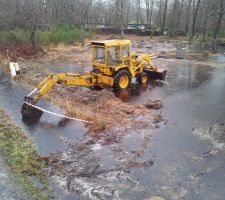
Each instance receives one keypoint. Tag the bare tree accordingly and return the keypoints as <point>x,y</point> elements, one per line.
<point>83,7</point>
<point>149,11</point>
<point>178,16</point>
<point>195,9</point>
<point>147,4</point>
<point>219,21</point>
<point>205,20</point>
<point>159,14</point>
<point>120,6</point>
<point>172,24</point>
<point>138,11</point>
<point>164,17</point>
<point>180,11</point>
<point>188,11</point>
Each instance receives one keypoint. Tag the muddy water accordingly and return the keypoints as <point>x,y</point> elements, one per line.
<point>50,134</point>
<point>189,150</point>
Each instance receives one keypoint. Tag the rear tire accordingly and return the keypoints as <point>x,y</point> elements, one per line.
<point>122,80</point>
<point>143,78</point>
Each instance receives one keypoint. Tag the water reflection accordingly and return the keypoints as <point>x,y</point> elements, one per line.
<point>48,133</point>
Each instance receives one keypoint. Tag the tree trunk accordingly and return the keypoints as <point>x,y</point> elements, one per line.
<point>147,4</point>
<point>219,21</point>
<point>179,14</point>
<point>195,18</point>
<point>188,17</point>
<point>171,32</point>
<point>32,38</point>
<point>159,15</point>
<point>138,14</point>
<point>164,18</point>
<point>151,12</point>
<point>205,20</point>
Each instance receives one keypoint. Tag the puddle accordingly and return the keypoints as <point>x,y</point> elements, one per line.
<point>217,58</point>
<point>132,142</point>
<point>189,159</point>
<point>50,134</point>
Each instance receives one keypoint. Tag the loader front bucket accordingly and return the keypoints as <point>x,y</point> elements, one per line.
<point>30,113</point>
<point>156,75</point>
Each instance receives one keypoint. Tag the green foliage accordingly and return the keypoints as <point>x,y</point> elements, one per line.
<point>61,34</point>
<point>14,36</point>
<point>65,34</point>
<point>24,162</point>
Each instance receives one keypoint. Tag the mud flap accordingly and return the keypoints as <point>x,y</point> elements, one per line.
<point>156,75</point>
<point>30,113</point>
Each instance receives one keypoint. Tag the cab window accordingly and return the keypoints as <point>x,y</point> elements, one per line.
<point>113,55</point>
<point>99,55</point>
<point>125,51</point>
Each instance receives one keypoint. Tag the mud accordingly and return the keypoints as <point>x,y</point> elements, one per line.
<point>175,152</point>
<point>20,51</point>
<point>157,104</point>
<point>99,168</point>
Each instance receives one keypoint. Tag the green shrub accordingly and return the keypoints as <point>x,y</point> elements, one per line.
<point>65,34</point>
<point>61,34</point>
<point>15,36</point>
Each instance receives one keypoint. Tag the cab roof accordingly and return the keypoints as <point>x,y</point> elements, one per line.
<point>110,43</point>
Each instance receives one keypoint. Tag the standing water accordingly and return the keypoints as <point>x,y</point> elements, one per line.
<point>189,150</point>
<point>51,133</point>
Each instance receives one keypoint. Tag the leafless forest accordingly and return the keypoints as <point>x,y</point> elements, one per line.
<point>200,18</point>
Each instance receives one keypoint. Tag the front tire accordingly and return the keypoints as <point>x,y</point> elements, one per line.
<point>122,80</point>
<point>143,78</point>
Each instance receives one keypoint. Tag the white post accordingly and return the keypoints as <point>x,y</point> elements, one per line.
<point>12,69</point>
<point>16,65</point>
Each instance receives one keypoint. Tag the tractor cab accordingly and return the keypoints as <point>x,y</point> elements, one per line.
<point>110,55</point>
<point>114,64</point>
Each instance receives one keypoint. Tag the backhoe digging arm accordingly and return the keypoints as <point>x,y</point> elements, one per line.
<point>64,79</point>
<point>27,111</point>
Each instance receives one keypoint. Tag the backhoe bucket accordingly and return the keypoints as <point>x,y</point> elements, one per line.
<point>30,113</point>
<point>156,75</point>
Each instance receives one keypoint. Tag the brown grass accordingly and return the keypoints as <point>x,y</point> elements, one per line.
<point>84,112</point>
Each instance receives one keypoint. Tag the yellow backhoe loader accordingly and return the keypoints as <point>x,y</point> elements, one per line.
<point>112,66</point>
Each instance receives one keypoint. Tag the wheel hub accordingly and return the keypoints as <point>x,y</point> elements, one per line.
<point>124,81</point>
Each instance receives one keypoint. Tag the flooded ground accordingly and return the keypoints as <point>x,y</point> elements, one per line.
<point>189,150</point>
<point>47,133</point>
<point>180,157</point>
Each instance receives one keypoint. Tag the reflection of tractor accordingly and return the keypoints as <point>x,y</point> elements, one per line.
<point>113,66</point>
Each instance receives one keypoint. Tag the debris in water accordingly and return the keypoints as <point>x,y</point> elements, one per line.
<point>156,104</point>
